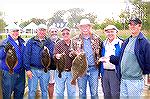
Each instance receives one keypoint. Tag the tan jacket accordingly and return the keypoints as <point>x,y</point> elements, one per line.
<point>77,44</point>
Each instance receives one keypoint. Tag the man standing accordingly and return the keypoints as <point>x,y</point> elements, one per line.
<point>15,82</point>
<point>89,43</point>
<point>63,46</point>
<point>53,35</point>
<point>110,80</point>
<point>33,65</point>
<point>135,61</point>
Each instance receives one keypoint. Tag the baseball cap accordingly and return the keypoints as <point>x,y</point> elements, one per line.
<point>111,27</point>
<point>85,22</point>
<point>52,28</point>
<point>42,26</point>
<point>14,28</point>
<point>65,28</point>
<point>135,21</point>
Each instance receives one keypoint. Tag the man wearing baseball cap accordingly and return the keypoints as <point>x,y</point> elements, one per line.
<point>110,79</point>
<point>33,65</point>
<point>63,46</point>
<point>53,35</point>
<point>89,43</point>
<point>15,82</point>
<point>134,61</point>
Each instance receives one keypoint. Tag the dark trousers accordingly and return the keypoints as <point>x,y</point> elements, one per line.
<point>13,83</point>
<point>110,85</point>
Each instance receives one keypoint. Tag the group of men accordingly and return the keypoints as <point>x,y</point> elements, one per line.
<point>121,64</point>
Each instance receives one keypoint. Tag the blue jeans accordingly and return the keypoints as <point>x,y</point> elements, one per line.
<point>60,85</point>
<point>131,89</point>
<point>38,74</point>
<point>92,77</point>
<point>13,83</point>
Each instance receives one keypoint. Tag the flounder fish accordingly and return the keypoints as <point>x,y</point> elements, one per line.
<point>79,67</point>
<point>11,57</point>
<point>60,64</point>
<point>45,59</point>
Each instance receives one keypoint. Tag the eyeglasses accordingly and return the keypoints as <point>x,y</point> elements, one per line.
<point>133,24</point>
<point>63,34</point>
<point>110,31</point>
<point>53,31</point>
<point>15,30</point>
<point>42,29</point>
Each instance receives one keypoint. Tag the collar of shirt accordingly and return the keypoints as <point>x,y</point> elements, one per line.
<point>66,44</point>
<point>37,38</point>
<point>115,41</point>
<point>86,37</point>
<point>17,42</point>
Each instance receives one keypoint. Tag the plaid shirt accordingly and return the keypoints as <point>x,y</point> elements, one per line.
<point>77,44</point>
<point>61,47</point>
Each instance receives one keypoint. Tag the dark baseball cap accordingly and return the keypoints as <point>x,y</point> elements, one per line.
<point>135,21</point>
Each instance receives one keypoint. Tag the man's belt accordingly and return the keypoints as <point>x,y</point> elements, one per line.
<point>109,69</point>
<point>67,70</point>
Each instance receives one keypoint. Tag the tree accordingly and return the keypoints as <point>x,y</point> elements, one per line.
<point>142,10</point>
<point>57,16</point>
<point>71,16</point>
<point>124,18</point>
<point>2,22</point>
<point>107,22</point>
<point>75,16</point>
<point>2,25</point>
<point>91,16</point>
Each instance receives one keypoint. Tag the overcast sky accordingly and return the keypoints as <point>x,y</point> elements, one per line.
<point>27,9</point>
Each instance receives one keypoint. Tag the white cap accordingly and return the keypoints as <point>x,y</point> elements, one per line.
<point>85,22</point>
<point>42,26</point>
<point>65,28</point>
<point>13,27</point>
<point>111,27</point>
<point>52,28</point>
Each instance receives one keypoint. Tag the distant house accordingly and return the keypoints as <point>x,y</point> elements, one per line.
<point>30,28</point>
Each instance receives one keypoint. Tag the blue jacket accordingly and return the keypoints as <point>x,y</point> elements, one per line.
<point>112,57</point>
<point>142,52</point>
<point>19,52</point>
<point>32,56</point>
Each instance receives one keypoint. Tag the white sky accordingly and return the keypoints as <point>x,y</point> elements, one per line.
<point>27,9</point>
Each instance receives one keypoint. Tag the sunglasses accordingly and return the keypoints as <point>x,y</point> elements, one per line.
<point>63,34</point>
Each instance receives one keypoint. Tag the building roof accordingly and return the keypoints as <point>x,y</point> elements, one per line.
<point>32,25</point>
